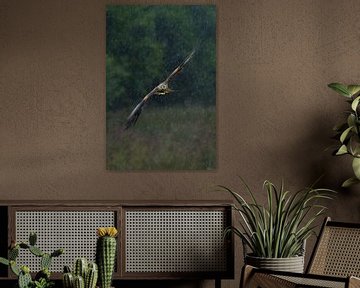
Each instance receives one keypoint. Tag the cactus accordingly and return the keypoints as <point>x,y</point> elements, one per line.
<point>45,261</point>
<point>79,282</point>
<point>105,254</point>
<point>44,273</point>
<point>13,253</point>
<point>24,277</point>
<point>36,251</point>
<point>80,268</point>
<point>32,238</point>
<point>42,278</point>
<point>68,280</point>
<point>14,268</point>
<point>91,276</point>
<point>87,272</point>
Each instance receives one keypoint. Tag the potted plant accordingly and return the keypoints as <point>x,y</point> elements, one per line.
<point>275,233</point>
<point>348,132</point>
<point>42,278</point>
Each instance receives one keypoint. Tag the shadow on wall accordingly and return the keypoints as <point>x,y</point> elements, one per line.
<point>333,169</point>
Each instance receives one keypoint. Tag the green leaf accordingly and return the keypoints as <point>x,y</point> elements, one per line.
<point>14,268</point>
<point>356,167</point>
<point>349,182</point>
<point>355,103</point>
<point>345,134</point>
<point>340,88</point>
<point>36,251</point>
<point>353,89</point>
<point>4,261</point>
<point>340,127</point>
<point>13,253</point>
<point>354,145</point>
<point>351,120</point>
<point>342,150</point>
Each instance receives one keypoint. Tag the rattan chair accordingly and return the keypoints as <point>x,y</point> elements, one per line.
<point>334,263</point>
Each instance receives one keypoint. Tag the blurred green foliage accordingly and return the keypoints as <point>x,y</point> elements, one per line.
<point>145,43</point>
<point>187,142</point>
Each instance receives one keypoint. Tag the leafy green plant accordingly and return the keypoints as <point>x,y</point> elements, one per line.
<point>348,132</point>
<point>279,229</point>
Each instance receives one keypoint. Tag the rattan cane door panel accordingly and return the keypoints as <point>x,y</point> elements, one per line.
<point>72,230</point>
<point>175,241</point>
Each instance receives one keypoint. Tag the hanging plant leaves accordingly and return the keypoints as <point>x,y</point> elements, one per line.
<point>353,89</point>
<point>355,103</point>
<point>340,88</point>
<point>342,150</point>
<point>356,167</point>
<point>345,134</point>
<point>349,182</point>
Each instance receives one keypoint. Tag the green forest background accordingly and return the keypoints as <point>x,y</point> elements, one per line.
<point>144,44</point>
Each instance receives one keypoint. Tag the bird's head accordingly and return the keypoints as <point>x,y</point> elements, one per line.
<point>163,88</point>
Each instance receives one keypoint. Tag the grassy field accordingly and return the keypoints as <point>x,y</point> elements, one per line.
<point>175,138</point>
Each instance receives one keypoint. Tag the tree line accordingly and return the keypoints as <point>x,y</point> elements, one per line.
<point>145,43</point>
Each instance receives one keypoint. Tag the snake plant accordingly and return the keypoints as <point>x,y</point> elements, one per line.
<point>348,133</point>
<point>279,228</point>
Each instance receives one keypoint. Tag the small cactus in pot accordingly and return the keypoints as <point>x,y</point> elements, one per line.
<point>106,254</point>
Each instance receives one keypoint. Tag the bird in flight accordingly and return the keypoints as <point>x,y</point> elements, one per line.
<point>161,89</point>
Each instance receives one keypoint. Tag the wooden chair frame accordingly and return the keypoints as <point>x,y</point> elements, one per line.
<point>319,273</point>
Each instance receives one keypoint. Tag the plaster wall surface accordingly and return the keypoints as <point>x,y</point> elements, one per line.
<point>274,111</point>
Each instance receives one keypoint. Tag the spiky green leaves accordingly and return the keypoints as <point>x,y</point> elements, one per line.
<point>280,228</point>
<point>348,133</point>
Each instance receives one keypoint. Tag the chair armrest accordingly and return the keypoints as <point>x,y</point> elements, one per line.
<point>255,277</point>
<point>354,282</point>
<point>252,277</point>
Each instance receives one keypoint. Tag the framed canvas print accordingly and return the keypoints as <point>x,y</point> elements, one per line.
<point>161,87</point>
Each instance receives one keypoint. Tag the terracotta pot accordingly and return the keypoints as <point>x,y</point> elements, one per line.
<point>291,264</point>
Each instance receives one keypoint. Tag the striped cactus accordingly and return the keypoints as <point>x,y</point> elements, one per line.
<point>84,275</point>
<point>79,282</point>
<point>81,266</point>
<point>91,276</point>
<point>68,280</point>
<point>106,254</point>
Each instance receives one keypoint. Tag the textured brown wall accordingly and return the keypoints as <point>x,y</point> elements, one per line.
<point>275,113</point>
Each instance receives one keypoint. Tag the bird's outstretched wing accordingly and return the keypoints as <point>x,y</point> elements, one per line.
<point>180,67</point>
<point>134,115</point>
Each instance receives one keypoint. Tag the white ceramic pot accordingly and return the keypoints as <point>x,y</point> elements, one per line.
<point>291,264</point>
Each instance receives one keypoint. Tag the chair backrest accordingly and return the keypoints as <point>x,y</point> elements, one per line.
<point>337,251</point>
